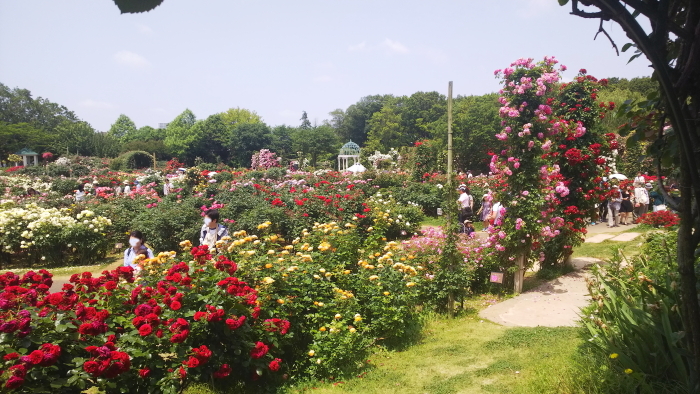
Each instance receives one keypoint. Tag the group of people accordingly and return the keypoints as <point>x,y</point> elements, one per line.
<point>625,205</point>
<point>211,232</point>
<point>81,193</point>
<point>487,213</point>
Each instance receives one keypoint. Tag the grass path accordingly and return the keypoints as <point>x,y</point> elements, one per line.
<point>468,355</point>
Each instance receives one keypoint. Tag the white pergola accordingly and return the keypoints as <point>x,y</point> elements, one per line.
<point>349,151</point>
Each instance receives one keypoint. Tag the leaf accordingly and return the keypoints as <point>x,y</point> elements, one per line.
<point>136,6</point>
<point>627,46</point>
<point>636,55</point>
<point>563,2</point>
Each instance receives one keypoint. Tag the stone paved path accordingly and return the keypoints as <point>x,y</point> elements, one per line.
<point>553,304</point>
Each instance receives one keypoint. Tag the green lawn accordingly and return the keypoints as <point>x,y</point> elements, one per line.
<point>467,355</point>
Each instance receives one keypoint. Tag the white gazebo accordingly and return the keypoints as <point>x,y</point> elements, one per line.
<point>29,157</point>
<point>349,151</point>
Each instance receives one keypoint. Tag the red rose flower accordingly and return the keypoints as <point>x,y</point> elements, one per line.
<point>275,365</point>
<point>14,382</point>
<point>144,373</point>
<point>223,372</point>
<point>145,330</point>
<point>192,362</point>
<point>175,305</point>
<point>259,351</point>
<point>91,367</point>
<point>11,356</point>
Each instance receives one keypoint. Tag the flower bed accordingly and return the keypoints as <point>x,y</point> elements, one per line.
<point>660,219</point>
<point>264,310</point>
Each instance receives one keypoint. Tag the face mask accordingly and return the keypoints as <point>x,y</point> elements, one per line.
<point>133,241</point>
<point>207,221</point>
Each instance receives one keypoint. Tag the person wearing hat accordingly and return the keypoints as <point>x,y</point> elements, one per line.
<point>614,203</point>
<point>469,227</point>
<point>127,188</point>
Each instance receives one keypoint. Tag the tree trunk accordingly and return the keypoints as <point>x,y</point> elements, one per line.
<point>519,271</point>
<point>686,268</point>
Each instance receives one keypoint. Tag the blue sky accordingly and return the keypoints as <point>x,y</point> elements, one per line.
<point>279,58</point>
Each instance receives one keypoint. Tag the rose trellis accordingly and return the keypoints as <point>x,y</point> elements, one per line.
<point>552,163</point>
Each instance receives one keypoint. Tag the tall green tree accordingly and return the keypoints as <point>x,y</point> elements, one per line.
<point>74,138</point>
<point>475,122</point>
<point>355,124</point>
<point>123,129</point>
<point>282,141</point>
<point>178,136</point>
<point>18,106</point>
<point>384,129</point>
<point>421,115</point>
<point>236,116</point>
<point>305,123</point>
<point>246,139</point>
<point>315,142</point>
<point>14,137</point>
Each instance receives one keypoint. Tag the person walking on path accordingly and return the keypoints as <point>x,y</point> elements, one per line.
<point>212,231</point>
<point>485,210</point>
<point>614,203</point>
<point>167,186</point>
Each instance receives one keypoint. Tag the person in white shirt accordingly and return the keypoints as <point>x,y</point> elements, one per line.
<point>80,193</point>
<point>641,198</point>
<point>212,231</point>
<point>127,188</point>
<point>167,187</point>
<point>136,247</point>
<point>466,204</point>
<point>639,179</point>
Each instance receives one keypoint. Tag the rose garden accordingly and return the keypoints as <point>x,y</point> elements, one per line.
<point>324,269</point>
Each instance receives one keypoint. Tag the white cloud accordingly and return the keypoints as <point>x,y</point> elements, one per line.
<point>323,78</point>
<point>394,46</point>
<point>144,29</point>
<point>131,59</point>
<point>89,103</point>
<point>358,47</point>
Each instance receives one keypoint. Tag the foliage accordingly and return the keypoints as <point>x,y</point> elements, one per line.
<point>660,219</point>
<point>635,318</point>
<point>29,233</point>
<point>123,129</point>
<point>133,160</point>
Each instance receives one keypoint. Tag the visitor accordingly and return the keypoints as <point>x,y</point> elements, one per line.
<point>118,189</point>
<point>494,218</point>
<point>614,202</point>
<point>138,185</point>
<point>80,193</point>
<point>485,210</point>
<point>641,199</point>
<point>466,204</point>
<point>658,201</point>
<point>167,186</point>
<point>136,246</point>
<point>31,192</point>
<point>127,188</point>
<point>468,227</point>
<point>212,231</point>
<point>640,179</point>
<point>626,206</point>
<point>469,174</point>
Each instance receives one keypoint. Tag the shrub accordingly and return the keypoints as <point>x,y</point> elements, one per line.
<point>64,186</point>
<point>635,318</point>
<point>660,219</point>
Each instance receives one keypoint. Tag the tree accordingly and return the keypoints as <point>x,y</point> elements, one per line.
<point>74,138</point>
<point>314,142</point>
<point>236,116</point>
<point>246,139</point>
<point>282,140</point>
<point>14,137</point>
<point>337,119</point>
<point>384,129</point>
<point>178,137</point>
<point>668,34</point>
<point>18,106</point>
<point>305,124</point>
<point>355,124</point>
<point>475,123</point>
<point>123,129</point>
<point>421,113</point>
<point>136,6</point>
